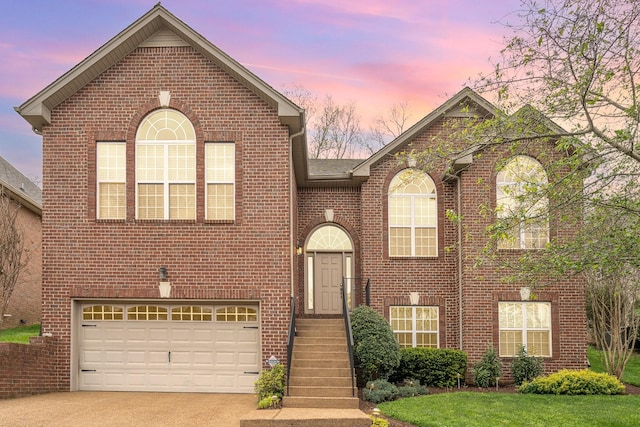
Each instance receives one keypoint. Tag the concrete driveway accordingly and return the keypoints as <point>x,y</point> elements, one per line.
<point>82,408</point>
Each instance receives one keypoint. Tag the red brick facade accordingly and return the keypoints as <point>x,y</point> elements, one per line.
<point>254,257</point>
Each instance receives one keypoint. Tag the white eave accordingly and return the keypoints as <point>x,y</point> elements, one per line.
<point>37,110</point>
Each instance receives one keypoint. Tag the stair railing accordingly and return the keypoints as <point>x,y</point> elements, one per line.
<point>347,327</point>
<point>290,338</point>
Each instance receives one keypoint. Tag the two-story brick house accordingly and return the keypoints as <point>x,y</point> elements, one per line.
<point>182,214</point>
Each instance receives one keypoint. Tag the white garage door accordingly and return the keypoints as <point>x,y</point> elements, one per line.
<point>163,347</point>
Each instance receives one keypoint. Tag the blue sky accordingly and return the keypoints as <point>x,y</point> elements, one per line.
<point>373,52</point>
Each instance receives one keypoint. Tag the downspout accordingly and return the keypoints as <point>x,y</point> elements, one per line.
<point>292,189</point>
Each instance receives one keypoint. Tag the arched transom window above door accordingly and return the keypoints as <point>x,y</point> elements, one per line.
<point>329,238</point>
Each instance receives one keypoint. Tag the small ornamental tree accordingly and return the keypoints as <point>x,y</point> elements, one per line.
<point>376,351</point>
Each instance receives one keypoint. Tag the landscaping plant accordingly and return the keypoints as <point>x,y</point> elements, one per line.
<point>487,371</point>
<point>437,367</point>
<point>270,384</point>
<point>573,383</point>
<point>525,367</point>
<point>375,349</point>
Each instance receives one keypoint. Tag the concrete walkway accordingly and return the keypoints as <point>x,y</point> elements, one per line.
<point>85,409</point>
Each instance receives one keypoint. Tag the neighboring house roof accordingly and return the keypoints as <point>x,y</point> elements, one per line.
<point>20,188</point>
<point>319,168</point>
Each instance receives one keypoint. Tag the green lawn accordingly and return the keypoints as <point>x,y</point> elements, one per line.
<point>631,372</point>
<point>19,335</point>
<point>511,409</point>
<point>523,410</point>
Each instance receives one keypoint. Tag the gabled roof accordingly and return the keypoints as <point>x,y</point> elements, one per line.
<point>466,103</point>
<point>37,110</point>
<point>20,188</point>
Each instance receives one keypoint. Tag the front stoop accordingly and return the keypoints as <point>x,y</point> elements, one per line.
<point>320,392</point>
<point>306,417</point>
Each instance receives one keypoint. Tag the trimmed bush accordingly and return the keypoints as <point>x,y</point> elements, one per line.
<point>488,369</point>
<point>436,367</point>
<point>270,383</point>
<point>383,391</point>
<point>525,367</point>
<point>573,383</point>
<point>379,391</point>
<point>376,352</point>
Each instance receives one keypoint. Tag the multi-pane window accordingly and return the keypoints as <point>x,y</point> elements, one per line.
<point>412,215</point>
<point>525,324</point>
<point>220,180</point>
<point>521,206</point>
<point>110,178</point>
<point>415,326</point>
<point>166,166</point>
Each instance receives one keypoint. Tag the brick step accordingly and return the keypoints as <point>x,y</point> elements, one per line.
<point>327,356</point>
<point>341,340</point>
<point>324,322</point>
<point>298,381</point>
<point>307,417</point>
<point>321,402</point>
<point>319,334</point>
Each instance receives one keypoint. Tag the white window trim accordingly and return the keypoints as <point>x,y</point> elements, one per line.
<point>102,181</point>
<point>232,181</point>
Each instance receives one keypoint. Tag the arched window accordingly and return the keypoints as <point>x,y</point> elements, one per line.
<point>413,218</point>
<point>166,167</point>
<point>521,204</point>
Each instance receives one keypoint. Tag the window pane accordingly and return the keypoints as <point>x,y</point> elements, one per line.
<point>400,242</point>
<point>399,211</point>
<point>182,201</point>
<point>220,162</point>
<point>111,204</point>
<point>111,158</point>
<point>220,202</point>
<point>425,211</point>
<point>182,162</point>
<point>150,201</point>
<point>331,238</point>
<point>427,340</point>
<point>538,315</point>
<point>510,314</point>
<point>426,242</point>
<point>404,339</point>
<point>538,343</point>
<point>510,343</point>
<point>150,163</point>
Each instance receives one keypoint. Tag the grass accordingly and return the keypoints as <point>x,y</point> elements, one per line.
<point>512,409</point>
<point>631,373</point>
<point>19,335</point>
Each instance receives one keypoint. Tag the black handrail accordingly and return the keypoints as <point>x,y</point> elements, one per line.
<point>349,334</point>
<point>290,338</point>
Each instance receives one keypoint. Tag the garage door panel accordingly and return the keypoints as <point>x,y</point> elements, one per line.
<point>193,354</point>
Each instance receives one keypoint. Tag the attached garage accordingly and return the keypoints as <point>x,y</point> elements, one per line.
<point>167,347</point>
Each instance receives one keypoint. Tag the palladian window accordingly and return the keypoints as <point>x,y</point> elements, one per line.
<point>413,217</point>
<point>166,167</point>
<point>521,205</point>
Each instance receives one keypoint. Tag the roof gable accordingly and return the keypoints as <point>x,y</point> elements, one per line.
<point>19,187</point>
<point>466,103</point>
<point>156,27</point>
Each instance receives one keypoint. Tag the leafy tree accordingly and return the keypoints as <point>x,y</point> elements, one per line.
<point>13,255</point>
<point>567,79</point>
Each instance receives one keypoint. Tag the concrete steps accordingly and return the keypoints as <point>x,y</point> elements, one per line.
<point>320,393</point>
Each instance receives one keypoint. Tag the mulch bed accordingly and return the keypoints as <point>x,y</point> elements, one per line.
<point>367,407</point>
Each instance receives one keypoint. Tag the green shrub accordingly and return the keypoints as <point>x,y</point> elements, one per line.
<point>525,367</point>
<point>376,351</point>
<point>488,369</point>
<point>268,402</point>
<point>574,382</point>
<point>270,383</point>
<point>411,388</point>
<point>436,367</point>
<point>379,391</point>
<point>379,422</point>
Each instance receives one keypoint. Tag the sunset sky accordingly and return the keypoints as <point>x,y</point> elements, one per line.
<point>373,52</point>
